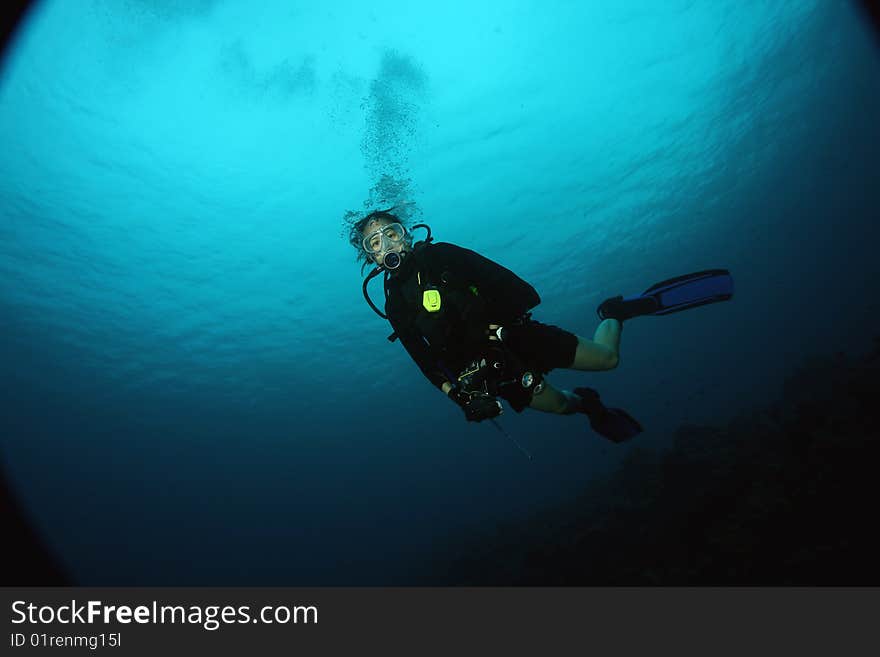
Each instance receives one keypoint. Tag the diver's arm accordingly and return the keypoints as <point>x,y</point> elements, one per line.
<point>420,353</point>
<point>476,407</point>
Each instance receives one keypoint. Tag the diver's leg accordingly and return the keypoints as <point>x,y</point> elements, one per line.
<point>600,353</point>
<point>612,423</point>
<point>552,400</point>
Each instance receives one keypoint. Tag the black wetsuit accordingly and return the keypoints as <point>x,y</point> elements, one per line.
<point>474,293</point>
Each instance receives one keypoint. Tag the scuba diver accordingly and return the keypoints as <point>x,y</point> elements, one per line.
<point>466,322</point>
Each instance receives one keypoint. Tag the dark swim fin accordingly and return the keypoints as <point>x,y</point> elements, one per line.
<point>672,296</point>
<point>612,423</point>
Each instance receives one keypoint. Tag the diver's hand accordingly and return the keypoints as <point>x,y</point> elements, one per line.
<point>481,407</point>
<point>477,406</point>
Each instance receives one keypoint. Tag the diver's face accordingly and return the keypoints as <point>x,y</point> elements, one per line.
<point>381,240</point>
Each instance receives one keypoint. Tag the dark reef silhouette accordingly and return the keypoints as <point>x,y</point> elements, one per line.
<point>784,495</point>
<point>27,561</point>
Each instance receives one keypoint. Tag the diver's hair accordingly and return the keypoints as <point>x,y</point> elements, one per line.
<point>356,231</point>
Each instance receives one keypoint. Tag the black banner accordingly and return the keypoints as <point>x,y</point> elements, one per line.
<point>413,621</point>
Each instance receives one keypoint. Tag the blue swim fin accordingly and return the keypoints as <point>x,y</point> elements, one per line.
<point>614,424</point>
<point>672,296</point>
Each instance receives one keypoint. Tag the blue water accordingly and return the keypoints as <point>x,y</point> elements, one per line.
<point>193,389</point>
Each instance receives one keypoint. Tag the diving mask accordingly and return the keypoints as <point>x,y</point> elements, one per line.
<point>381,244</point>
